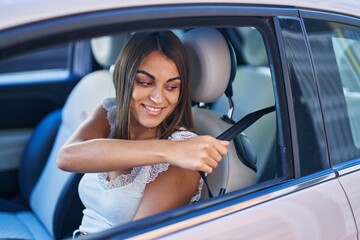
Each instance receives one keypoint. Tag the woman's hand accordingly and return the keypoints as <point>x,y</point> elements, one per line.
<point>202,153</point>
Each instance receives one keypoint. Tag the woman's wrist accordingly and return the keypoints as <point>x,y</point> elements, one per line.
<point>166,150</point>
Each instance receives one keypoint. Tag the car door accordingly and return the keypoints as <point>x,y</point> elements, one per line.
<point>309,206</point>
<point>31,86</point>
<point>305,199</point>
<point>341,42</point>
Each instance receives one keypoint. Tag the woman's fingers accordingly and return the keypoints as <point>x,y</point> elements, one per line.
<point>214,151</point>
<point>222,147</point>
<point>211,162</point>
<point>207,169</point>
<point>202,153</point>
<point>218,149</point>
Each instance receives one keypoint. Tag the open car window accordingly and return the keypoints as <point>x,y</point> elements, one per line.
<point>256,158</point>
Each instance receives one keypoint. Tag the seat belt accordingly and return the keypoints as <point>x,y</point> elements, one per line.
<point>236,129</point>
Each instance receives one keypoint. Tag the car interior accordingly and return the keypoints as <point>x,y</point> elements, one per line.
<point>230,78</point>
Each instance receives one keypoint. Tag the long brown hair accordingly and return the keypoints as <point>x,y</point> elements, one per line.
<point>138,46</point>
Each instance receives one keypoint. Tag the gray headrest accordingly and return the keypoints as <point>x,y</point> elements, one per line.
<point>253,47</point>
<point>209,63</point>
<point>106,49</point>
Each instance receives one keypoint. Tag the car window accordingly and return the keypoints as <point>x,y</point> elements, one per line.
<point>55,58</point>
<point>336,54</point>
<point>346,44</point>
<point>54,63</point>
<point>252,90</point>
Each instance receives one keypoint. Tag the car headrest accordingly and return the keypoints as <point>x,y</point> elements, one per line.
<point>85,97</point>
<point>209,59</point>
<point>254,51</point>
<point>345,57</point>
<point>106,49</point>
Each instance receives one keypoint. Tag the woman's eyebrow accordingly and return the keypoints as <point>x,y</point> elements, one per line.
<point>173,79</point>
<point>153,78</point>
<point>146,73</point>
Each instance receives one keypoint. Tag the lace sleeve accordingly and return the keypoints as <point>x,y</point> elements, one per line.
<point>182,134</point>
<point>109,105</point>
<point>150,173</point>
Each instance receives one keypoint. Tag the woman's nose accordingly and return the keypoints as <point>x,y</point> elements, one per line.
<point>157,96</point>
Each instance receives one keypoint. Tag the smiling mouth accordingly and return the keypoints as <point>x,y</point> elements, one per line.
<point>152,110</point>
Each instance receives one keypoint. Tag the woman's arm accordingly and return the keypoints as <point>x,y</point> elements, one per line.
<point>89,150</point>
<point>172,188</point>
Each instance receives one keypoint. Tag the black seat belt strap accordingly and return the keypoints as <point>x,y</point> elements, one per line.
<point>237,128</point>
<point>244,123</point>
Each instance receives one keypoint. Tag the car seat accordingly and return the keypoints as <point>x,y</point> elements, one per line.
<point>210,63</point>
<point>253,90</point>
<point>53,209</point>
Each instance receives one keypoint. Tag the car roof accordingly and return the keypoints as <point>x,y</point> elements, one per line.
<point>18,12</point>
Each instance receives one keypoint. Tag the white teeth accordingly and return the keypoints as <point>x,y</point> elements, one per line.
<point>153,109</point>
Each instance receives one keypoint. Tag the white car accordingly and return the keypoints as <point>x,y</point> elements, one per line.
<point>293,169</point>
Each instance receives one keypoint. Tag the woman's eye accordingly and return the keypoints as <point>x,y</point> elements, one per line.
<point>144,83</point>
<point>172,88</point>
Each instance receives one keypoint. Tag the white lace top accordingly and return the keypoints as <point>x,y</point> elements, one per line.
<point>111,203</point>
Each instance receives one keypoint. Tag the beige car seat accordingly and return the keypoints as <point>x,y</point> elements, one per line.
<point>210,71</point>
<point>253,90</point>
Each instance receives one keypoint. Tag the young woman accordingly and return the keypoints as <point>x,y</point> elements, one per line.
<point>138,152</point>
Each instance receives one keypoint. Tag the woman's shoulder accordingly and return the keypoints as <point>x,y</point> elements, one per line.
<point>182,134</point>
<point>109,103</point>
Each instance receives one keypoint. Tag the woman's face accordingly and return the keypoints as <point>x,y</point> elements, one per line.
<point>155,93</point>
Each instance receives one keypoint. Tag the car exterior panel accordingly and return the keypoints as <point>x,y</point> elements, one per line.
<point>308,214</point>
<point>350,183</point>
<point>54,9</point>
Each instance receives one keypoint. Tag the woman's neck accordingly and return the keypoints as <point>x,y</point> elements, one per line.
<point>143,134</point>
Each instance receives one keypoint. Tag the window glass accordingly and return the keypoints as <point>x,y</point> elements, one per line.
<point>346,44</point>
<point>55,59</point>
<point>336,54</point>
